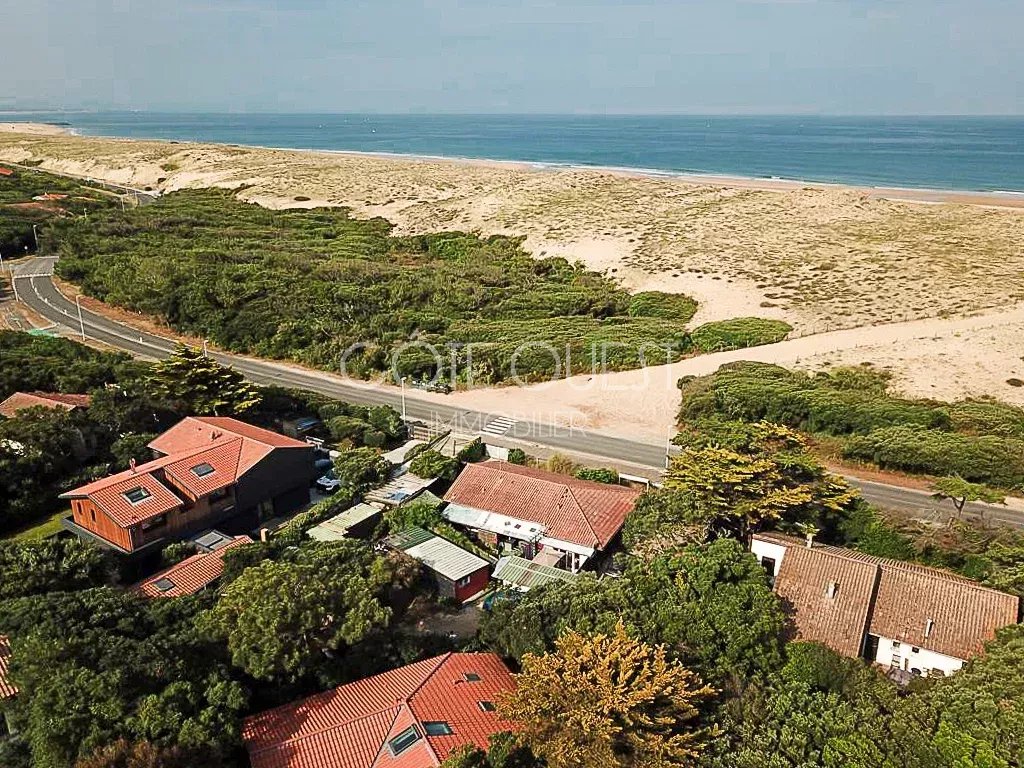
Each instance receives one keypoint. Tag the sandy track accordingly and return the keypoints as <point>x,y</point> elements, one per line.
<point>643,403</point>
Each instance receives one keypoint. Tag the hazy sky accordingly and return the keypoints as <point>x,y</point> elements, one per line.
<point>703,56</point>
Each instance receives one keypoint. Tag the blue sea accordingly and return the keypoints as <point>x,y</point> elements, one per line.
<point>961,153</point>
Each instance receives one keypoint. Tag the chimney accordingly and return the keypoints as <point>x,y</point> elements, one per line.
<point>264,535</point>
<point>131,465</point>
<point>214,434</point>
<point>810,540</point>
<point>928,627</point>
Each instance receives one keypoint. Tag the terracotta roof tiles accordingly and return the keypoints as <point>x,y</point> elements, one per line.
<point>7,689</point>
<point>579,511</point>
<point>197,431</point>
<point>350,726</point>
<point>22,400</point>
<point>191,575</point>
<point>925,607</point>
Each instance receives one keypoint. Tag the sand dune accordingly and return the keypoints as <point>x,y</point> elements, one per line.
<point>825,258</point>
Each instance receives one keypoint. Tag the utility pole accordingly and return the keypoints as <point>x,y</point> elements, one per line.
<point>404,415</point>
<point>35,236</point>
<point>81,322</point>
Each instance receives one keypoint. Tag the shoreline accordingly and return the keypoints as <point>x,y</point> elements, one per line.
<point>1006,199</point>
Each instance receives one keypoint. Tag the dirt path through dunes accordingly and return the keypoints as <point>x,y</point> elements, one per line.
<point>642,404</point>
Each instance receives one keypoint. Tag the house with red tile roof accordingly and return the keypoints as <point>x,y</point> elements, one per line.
<point>411,717</point>
<point>19,401</point>
<point>193,574</point>
<point>208,471</point>
<point>7,689</point>
<point>557,519</point>
<point>904,616</point>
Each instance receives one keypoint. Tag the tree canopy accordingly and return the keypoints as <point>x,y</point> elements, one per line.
<point>767,478</point>
<point>280,618</point>
<point>608,701</point>
<point>202,385</point>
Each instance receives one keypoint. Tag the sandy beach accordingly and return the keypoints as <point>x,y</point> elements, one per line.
<point>924,283</point>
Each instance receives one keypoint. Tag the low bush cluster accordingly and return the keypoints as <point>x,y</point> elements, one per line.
<point>979,440</point>
<point>738,333</point>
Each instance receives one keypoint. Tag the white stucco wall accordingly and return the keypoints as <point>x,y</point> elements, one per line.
<point>763,549</point>
<point>920,659</point>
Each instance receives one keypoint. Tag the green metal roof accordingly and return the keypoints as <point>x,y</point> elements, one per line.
<point>523,573</point>
<point>409,538</point>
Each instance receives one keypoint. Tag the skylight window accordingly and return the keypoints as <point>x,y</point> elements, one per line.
<point>137,495</point>
<point>471,677</point>
<point>202,470</point>
<point>164,584</point>
<point>437,728</point>
<point>486,706</point>
<point>403,741</point>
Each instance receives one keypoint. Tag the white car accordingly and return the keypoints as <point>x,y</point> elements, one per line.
<point>329,483</point>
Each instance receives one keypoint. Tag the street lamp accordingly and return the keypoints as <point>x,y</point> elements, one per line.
<point>404,416</point>
<point>35,236</point>
<point>81,322</point>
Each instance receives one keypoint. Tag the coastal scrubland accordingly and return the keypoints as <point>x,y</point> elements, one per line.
<point>330,290</point>
<point>818,257</point>
<point>851,412</point>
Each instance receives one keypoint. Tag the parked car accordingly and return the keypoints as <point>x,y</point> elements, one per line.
<point>329,483</point>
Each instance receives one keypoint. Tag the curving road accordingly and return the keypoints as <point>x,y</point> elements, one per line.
<point>36,289</point>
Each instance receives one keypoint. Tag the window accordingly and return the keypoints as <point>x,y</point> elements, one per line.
<point>895,643</point>
<point>471,677</point>
<point>915,650</point>
<point>202,470</point>
<point>769,565</point>
<point>463,582</point>
<point>137,495</point>
<point>220,493</point>
<point>93,513</point>
<point>403,741</point>
<point>486,706</point>
<point>437,728</point>
<point>164,584</point>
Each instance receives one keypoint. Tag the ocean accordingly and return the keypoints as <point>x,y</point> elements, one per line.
<point>958,153</point>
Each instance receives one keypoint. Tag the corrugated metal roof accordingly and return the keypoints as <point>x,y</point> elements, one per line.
<point>525,574</point>
<point>437,553</point>
<point>337,527</point>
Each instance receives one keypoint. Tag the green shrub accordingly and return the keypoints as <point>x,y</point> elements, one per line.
<point>361,468</point>
<point>472,452</point>
<point>431,463</point>
<point>987,417</point>
<point>996,461</point>
<point>598,474</point>
<point>738,333</point>
<point>517,456</point>
<point>668,306</point>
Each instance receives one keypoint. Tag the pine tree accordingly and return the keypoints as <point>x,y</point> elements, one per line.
<point>201,383</point>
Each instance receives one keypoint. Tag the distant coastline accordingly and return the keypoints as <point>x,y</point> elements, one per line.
<point>946,155</point>
<point>920,195</point>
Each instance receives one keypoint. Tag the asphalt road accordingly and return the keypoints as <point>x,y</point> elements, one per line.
<point>36,289</point>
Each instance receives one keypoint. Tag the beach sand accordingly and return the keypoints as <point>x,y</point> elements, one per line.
<point>871,264</point>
